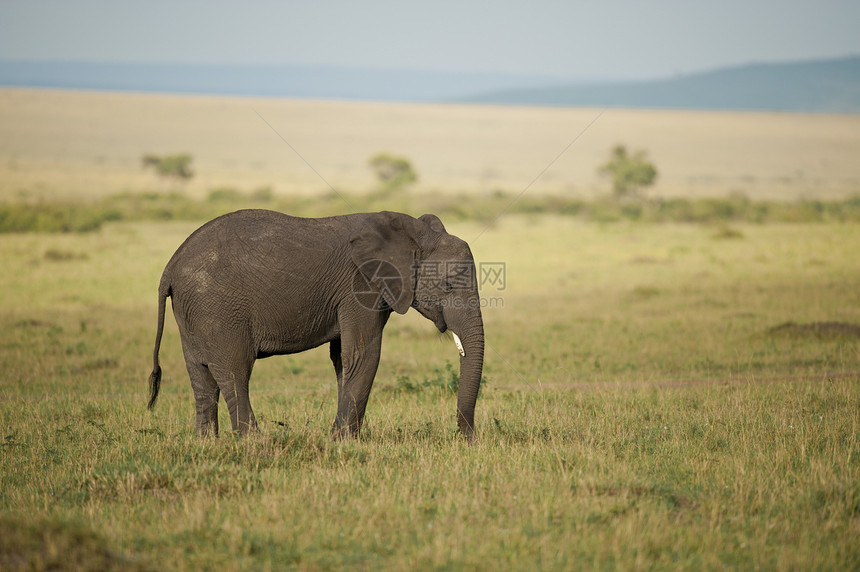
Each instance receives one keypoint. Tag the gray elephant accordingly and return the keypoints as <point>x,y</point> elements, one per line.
<point>257,283</point>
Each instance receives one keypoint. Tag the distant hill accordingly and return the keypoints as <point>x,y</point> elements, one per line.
<point>817,86</point>
<point>275,80</point>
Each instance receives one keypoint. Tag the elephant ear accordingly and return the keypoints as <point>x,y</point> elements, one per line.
<point>434,223</point>
<point>385,249</point>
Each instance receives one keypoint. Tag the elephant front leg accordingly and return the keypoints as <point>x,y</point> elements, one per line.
<point>334,353</point>
<point>356,367</point>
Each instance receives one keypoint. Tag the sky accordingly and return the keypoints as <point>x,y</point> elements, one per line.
<point>600,39</point>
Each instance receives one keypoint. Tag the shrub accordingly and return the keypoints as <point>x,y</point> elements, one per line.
<point>177,166</point>
<point>262,195</point>
<point>54,217</point>
<point>630,173</point>
<point>392,171</point>
<point>224,194</point>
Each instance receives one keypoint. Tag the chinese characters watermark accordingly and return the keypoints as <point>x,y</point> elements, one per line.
<point>443,283</point>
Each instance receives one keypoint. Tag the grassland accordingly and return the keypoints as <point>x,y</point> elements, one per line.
<point>654,400</point>
<point>53,143</point>
<point>670,385</point>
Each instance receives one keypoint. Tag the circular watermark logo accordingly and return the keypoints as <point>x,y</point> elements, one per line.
<point>377,282</point>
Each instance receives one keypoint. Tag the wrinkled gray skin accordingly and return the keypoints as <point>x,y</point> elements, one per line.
<point>256,283</point>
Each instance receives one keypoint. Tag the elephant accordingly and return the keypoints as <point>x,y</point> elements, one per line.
<point>257,283</point>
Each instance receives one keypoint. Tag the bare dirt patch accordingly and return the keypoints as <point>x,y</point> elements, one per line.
<point>823,330</point>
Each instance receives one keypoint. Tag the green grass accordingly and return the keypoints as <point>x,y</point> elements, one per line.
<point>65,216</point>
<point>658,396</point>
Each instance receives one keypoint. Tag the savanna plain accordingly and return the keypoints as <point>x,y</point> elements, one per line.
<point>661,392</point>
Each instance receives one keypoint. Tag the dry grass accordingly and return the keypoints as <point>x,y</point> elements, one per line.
<point>63,144</point>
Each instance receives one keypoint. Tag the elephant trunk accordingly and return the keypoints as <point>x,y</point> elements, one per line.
<point>471,369</point>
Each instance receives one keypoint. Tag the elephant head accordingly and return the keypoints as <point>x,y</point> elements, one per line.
<point>416,263</point>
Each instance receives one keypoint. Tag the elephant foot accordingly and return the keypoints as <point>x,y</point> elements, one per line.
<point>340,432</point>
<point>209,430</point>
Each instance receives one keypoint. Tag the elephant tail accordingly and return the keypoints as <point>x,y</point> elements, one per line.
<point>155,376</point>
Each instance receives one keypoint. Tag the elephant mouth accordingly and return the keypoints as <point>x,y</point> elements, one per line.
<point>434,314</point>
<point>439,321</point>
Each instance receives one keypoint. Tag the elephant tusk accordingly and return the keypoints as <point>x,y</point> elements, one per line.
<point>459,345</point>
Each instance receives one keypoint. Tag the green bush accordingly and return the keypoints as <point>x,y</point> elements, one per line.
<point>630,173</point>
<point>224,194</point>
<point>177,166</point>
<point>392,171</point>
<point>54,217</point>
<point>262,195</point>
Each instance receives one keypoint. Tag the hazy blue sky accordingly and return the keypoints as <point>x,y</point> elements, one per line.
<point>605,38</point>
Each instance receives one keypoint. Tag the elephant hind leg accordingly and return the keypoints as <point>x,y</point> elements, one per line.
<point>206,393</point>
<point>233,380</point>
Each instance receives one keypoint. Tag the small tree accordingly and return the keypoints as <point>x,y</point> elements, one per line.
<point>176,167</point>
<point>392,171</point>
<point>630,174</point>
